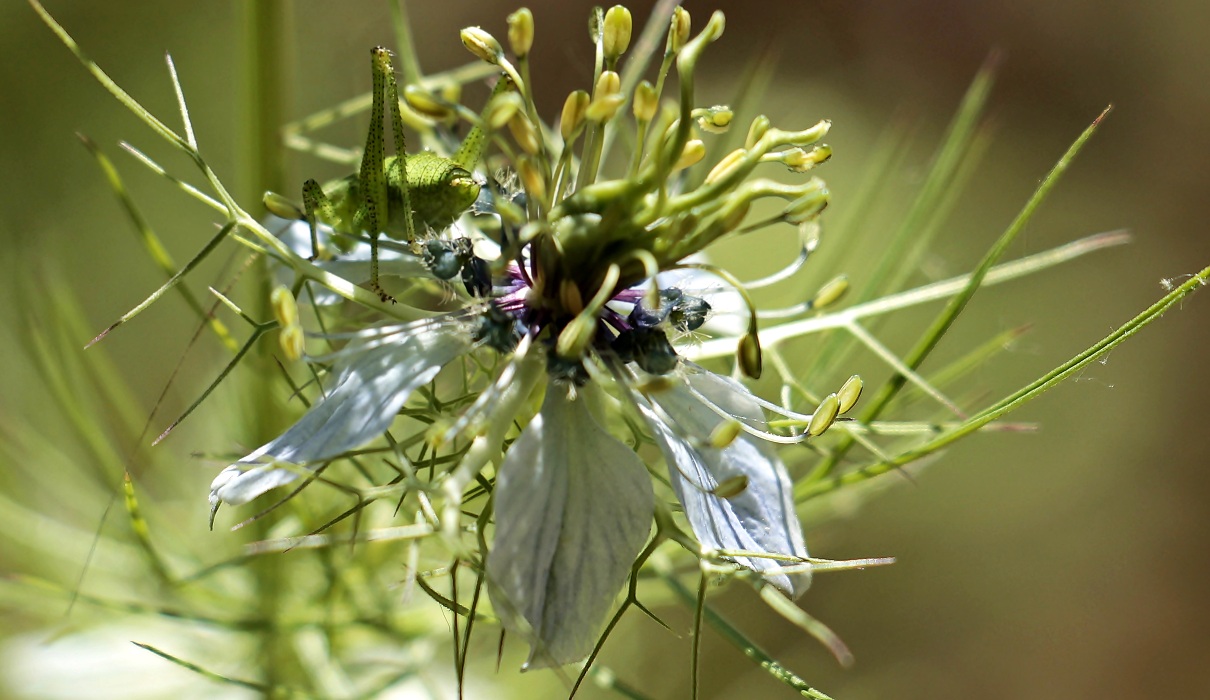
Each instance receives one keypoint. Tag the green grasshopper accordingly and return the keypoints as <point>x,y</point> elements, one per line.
<point>395,195</point>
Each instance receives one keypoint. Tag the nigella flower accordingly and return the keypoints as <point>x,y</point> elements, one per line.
<point>571,334</point>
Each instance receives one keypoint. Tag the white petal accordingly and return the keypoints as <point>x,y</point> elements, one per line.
<point>573,509</point>
<point>370,388</point>
<point>762,517</point>
<point>353,266</point>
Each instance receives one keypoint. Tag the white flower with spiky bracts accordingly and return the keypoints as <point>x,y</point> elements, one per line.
<point>571,332</point>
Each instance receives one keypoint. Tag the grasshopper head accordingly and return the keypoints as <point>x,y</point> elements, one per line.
<point>439,190</point>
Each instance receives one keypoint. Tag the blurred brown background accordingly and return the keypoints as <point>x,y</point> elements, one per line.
<point>1072,563</point>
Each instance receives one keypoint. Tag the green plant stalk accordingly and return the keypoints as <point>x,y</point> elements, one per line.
<point>1018,398</point>
<point>957,304</point>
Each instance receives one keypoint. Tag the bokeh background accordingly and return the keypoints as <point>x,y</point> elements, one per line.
<point>1070,563</point>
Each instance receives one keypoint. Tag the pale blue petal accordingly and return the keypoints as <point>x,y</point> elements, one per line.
<point>574,507</point>
<point>371,386</point>
<point>353,265</point>
<point>762,517</point>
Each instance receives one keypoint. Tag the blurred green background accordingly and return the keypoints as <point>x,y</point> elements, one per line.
<point>1070,563</point>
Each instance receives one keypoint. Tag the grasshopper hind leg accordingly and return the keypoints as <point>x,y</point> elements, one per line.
<point>316,207</point>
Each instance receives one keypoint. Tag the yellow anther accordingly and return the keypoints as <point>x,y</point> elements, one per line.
<point>830,293</point>
<point>849,393</point>
<point>757,130</point>
<point>616,37</point>
<point>646,102</point>
<point>731,487</point>
<point>692,154</point>
<point>824,416</point>
<point>524,133</point>
<point>725,433</point>
<point>291,339</point>
<point>749,355</point>
<point>678,32</point>
<point>483,45</point>
<point>521,32</point>
<point>725,167</point>
<point>574,109</point>
<point>284,307</point>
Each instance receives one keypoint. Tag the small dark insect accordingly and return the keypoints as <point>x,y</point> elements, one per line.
<point>445,259</point>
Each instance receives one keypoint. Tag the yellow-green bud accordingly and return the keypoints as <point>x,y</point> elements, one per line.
<point>849,393</point>
<point>692,154</point>
<point>678,32</point>
<point>574,109</point>
<point>830,293</point>
<point>616,37</point>
<point>521,32</point>
<point>483,45</point>
<point>646,102</point>
<point>758,128</point>
<point>284,308</point>
<point>824,416</point>
<point>715,120</point>
<point>423,102</point>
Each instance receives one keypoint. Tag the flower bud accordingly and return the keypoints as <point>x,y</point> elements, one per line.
<point>616,36</point>
<point>849,393</point>
<point>646,102</point>
<point>521,32</point>
<point>483,45</point>
<point>574,109</point>
<point>824,416</point>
